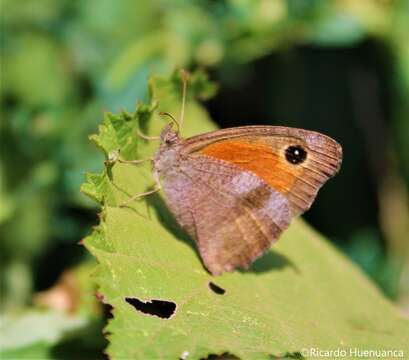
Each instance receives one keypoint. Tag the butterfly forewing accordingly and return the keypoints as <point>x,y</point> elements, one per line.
<point>263,150</point>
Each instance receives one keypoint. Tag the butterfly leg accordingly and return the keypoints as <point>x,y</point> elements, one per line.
<point>116,157</point>
<point>146,137</point>
<point>138,196</point>
<point>157,188</point>
<point>134,162</point>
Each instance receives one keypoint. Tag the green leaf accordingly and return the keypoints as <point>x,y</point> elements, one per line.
<point>338,30</point>
<point>302,294</point>
<point>95,186</point>
<point>43,66</point>
<point>65,321</point>
<point>50,326</point>
<point>38,350</point>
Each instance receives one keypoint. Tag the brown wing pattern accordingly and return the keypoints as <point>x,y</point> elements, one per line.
<point>232,214</point>
<point>261,150</point>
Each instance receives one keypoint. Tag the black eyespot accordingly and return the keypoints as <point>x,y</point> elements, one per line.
<point>295,154</point>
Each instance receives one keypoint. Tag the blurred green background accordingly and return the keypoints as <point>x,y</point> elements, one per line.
<point>340,67</point>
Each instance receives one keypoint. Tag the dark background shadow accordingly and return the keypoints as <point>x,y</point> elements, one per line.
<point>272,261</point>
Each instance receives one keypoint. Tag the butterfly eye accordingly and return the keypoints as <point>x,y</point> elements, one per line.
<point>295,154</point>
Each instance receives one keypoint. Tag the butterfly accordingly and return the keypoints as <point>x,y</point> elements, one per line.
<point>234,191</point>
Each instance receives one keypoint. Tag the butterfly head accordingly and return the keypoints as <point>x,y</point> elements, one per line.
<point>168,152</point>
<point>168,136</point>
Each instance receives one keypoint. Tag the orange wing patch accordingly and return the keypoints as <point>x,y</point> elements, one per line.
<point>258,157</point>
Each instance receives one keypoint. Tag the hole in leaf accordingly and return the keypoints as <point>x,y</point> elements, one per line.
<point>216,289</point>
<point>160,308</point>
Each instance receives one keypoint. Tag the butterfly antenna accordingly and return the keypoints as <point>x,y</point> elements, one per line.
<point>185,77</point>
<point>173,119</point>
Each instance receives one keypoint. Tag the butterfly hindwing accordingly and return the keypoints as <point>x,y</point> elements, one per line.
<point>233,215</point>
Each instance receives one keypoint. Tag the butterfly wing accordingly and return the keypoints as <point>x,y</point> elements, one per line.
<point>263,150</point>
<point>233,214</point>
